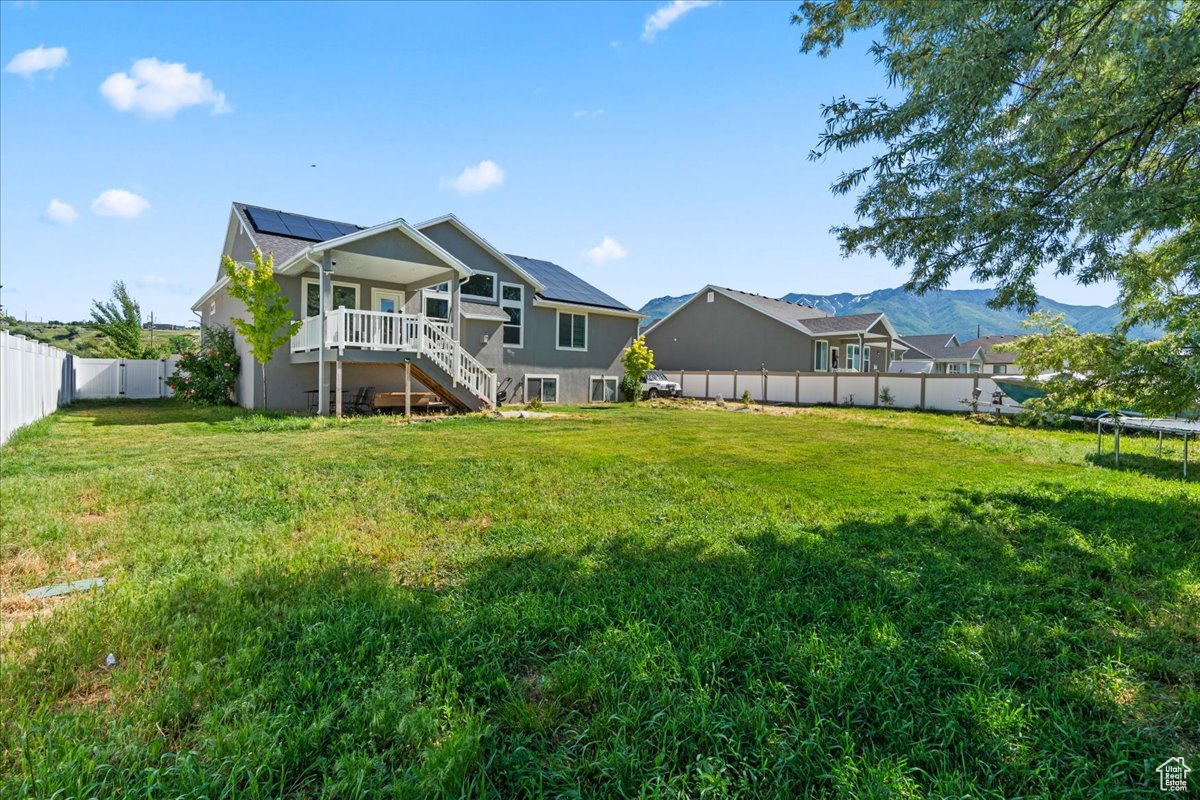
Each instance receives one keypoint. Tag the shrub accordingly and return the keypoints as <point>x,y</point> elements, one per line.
<point>746,398</point>
<point>885,397</point>
<point>208,376</point>
<point>534,403</point>
<point>181,344</point>
<point>638,359</point>
<point>631,388</point>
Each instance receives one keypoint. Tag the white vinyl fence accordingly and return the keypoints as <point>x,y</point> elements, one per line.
<point>131,378</point>
<point>925,392</point>
<point>35,379</point>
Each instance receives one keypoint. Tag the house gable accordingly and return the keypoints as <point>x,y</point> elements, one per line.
<point>715,331</point>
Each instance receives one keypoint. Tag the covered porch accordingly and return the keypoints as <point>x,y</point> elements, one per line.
<point>403,269</point>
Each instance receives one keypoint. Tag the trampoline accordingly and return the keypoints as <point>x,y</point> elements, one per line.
<point>1163,426</point>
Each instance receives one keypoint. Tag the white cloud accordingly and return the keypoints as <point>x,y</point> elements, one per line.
<point>609,249</point>
<point>119,203</point>
<point>160,88</point>
<point>582,114</point>
<point>479,178</point>
<point>39,59</point>
<point>59,213</point>
<point>668,15</point>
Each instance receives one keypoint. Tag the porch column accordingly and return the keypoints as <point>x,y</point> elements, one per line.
<point>862,344</point>
<point>455,324</point>
<point>887,355</point>
<point>322,362</point>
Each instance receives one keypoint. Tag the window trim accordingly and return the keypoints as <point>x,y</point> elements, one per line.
<point>866,358</point>
<point>853,362</point>
<point>495,287</point>
<point>512,304</point>
<point>816,360</point>
<point>377,290</point>
<point>616,387</point>
<point>558,337</point>
<point>542,377</point>
<point>437,294</point>
<point>306,282</point>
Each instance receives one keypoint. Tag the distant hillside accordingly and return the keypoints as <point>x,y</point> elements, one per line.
<point>959,311</point>
<point>82,339</point>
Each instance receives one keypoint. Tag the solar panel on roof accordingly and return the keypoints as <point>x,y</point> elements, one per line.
<point>563,285</point>
<point>296,226</point>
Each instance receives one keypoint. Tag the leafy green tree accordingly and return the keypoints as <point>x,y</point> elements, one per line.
<point>1023,134</point>
<point>119,320</point>
<point>1101,371</point>
<point>181,344</point>
<point>271,324</point>
<point>638,359</point>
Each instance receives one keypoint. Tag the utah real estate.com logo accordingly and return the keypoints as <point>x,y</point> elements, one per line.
<point>1172,775</point>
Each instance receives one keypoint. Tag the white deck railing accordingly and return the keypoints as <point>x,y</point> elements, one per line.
<point>413,333</point>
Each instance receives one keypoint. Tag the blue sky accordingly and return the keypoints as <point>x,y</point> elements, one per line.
<point>650,154</point>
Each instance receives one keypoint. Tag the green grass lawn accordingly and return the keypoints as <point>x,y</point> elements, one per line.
<point>623,602</point>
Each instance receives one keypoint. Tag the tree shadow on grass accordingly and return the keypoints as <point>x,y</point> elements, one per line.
<point>1153,465</point>
<point>1017,643</point>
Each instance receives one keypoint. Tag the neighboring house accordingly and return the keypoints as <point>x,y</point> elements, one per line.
<point>469,320</point>
<point>723,330</point>
<point>995,362</point>
<point>940,353</point>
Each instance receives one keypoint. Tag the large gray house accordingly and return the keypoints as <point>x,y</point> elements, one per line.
<point>724,329</point>
<point>432,306</point>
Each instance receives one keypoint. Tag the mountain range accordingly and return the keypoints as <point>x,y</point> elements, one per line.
<point>963,312</point>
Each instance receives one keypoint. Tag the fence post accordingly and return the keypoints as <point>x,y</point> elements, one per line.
<point>922,391</point>
<point>706,394</point>
<point>876,390</point>
<point>735,394</point>
<point>797,387</point>
<point>835,402</point>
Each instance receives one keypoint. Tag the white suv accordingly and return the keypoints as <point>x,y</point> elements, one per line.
<point>655,384</point>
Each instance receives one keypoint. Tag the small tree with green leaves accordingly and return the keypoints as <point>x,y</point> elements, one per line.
<point>638,359</point>
<point>1094,371</point>
<point>271,324</point>
<point>119,320</point>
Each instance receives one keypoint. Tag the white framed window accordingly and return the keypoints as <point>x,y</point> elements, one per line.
<point>435,301</point>
<point>345,295</point>
<point>480,286</point>
<point>387,300</point>
<point>953,369</point>
<point>866,359</point>
<point>1000,369</point>
<point>542,387</point>
<point>711,296</point>
<point>821,356</point>
<point>512,302</point>
<point>853,356</point>
<point>604,389</point>
<point>572,331</point>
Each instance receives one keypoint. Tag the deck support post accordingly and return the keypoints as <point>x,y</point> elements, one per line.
<point>322,361</point>
<point>407,389</point>
<point>338,402</point>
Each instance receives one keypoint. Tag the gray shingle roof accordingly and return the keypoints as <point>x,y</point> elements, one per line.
<point>560,284</point>
<point>990,355</point>
<point>931,345</point>
<point>779,309</point>
<point>484,310</point>
<point>849,322</point>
